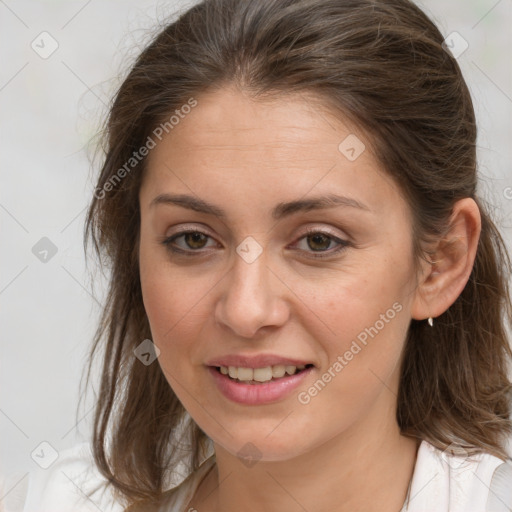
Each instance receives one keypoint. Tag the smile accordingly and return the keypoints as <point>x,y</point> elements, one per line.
<point>258,375</point>
<point>258,386</point>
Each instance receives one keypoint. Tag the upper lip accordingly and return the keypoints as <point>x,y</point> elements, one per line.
<point>258,361</point>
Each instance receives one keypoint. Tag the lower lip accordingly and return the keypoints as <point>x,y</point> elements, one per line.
<point>258,394</point>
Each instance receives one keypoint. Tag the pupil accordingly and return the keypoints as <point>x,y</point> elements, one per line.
<point>193,238</point>
<point>317,239</point>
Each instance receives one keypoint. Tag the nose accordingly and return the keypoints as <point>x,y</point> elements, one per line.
<point>253,298</point>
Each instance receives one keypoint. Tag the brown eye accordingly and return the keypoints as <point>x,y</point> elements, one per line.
<point>321,245</point>
<point>195,240</point>
<point>319,241</point>
<point>187,242</point>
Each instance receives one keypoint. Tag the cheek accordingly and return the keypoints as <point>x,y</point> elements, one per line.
<point>177,304</point>
<point>170,305</point>
<point>360,320</point>
<point>347,302</point>
<point>164,295</point>
<point>363,353</point>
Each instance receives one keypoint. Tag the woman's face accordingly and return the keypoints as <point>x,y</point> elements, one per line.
<point>274,275</point>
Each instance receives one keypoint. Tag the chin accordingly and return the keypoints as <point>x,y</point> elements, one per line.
<point>259,444</point>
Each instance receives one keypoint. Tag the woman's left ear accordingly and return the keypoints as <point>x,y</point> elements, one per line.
<point>443,280</point>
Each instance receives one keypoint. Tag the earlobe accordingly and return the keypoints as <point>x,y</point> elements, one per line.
<point>453,257</point>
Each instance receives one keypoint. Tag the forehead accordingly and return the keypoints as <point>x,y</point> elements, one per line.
<point>228,119</point>
<point>231,139</point>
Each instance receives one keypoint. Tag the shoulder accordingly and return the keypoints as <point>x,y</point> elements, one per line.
<point>454,481</point>
<point>74,483</point>
<point>71,483</point>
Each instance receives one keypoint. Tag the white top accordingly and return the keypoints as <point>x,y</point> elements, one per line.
<point>441,482</point>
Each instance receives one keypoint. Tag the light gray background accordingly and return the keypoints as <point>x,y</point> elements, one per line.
<point>51,108</point>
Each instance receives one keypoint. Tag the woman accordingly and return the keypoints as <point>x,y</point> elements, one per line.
<point>308,300</point>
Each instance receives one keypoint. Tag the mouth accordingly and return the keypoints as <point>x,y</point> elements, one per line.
<point>260,379</point>
<point>259,376</point>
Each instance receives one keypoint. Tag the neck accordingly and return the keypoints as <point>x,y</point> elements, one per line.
<point>367,468</point>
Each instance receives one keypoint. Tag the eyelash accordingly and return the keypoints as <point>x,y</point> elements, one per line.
<point>343,244</point>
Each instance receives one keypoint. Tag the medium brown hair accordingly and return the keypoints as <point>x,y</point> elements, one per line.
<point>380,64</point>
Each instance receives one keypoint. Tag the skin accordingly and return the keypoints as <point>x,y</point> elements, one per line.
<point>343,450</point>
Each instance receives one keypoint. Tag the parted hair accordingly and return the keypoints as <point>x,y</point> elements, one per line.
<point>380,64</point>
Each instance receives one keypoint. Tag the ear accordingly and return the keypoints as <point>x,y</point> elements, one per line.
<point>443,279</point>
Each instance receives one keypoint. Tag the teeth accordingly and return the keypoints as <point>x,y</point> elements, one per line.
<point>260,374</point>
<point>278,371</point>
<point>244,373</point>
<point>290,370</point>
<point>263,374</point>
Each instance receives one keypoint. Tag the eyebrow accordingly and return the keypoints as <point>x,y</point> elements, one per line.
<point>280,211</point>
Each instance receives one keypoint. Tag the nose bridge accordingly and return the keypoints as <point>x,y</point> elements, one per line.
<point>250,299</point>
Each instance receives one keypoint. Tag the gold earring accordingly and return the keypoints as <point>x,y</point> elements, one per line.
<point>431,322</point>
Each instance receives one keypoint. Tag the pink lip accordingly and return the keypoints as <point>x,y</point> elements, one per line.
<point>257,394</point>
<point>259,361</point>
